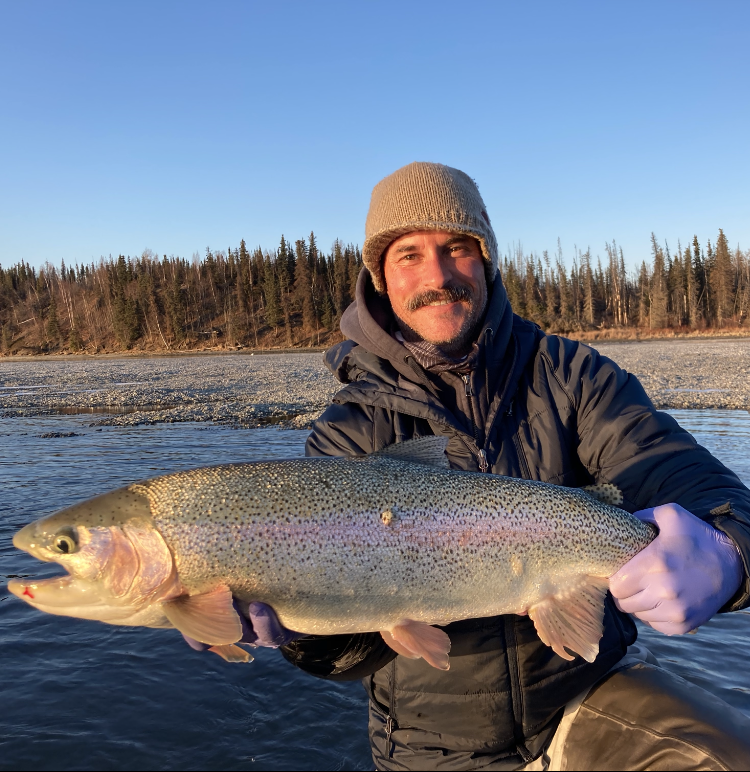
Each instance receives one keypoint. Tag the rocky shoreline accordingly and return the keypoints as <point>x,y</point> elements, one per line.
<point>292,389</point>
<point>688,373</point>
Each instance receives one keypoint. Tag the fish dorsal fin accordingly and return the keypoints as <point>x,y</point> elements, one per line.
<point>418,639</point>
<point>429,451</point>
<point>209,617</point>
<point>607,493</point>
<point>572,617</point>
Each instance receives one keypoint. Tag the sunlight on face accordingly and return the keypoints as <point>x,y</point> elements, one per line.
<point>437,287</point>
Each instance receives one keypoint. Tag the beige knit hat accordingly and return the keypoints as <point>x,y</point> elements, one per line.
<point>424,196</point>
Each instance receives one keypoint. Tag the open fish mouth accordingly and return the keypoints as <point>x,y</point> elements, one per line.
<point>65,595</point>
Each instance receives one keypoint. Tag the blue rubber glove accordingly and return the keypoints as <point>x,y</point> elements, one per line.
<point>687,573</point>
<point>260,627</point>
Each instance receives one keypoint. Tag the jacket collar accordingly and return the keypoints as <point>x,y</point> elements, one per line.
<point>368,320</point>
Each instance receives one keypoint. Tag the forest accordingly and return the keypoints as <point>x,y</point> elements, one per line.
<point>294,296</point>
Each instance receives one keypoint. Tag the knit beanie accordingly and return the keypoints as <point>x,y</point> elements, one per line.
<point>425,196</point>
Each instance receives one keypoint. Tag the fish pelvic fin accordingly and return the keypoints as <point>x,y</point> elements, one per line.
<point>572,618</point>
<point>607,493</point>
<point>413,640</point>
<point>232,653</point>
<point>429,451</point>
<point>208,617</point>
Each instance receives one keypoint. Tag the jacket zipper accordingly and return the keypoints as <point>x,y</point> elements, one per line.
<point>483,463</point>
<point>521,453</point>
<point>390,720</point>
<point>515,689</point>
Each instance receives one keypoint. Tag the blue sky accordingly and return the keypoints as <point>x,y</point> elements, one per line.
<point>175,125</point>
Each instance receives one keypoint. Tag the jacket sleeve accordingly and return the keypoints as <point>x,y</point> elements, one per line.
<point>624,440</point>
<point>342,430</point>
<point>339,657</point>
<point>346,429</point>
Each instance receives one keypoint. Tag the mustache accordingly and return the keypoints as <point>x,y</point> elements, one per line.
<point>454,293</point>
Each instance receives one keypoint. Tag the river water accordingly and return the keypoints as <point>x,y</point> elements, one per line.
<point>83,695</point>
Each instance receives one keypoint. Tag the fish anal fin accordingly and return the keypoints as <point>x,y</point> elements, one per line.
<point>572,617</point>
<point>232,653</point>
<point>607,493</point>
<point>208,617</point>
<point>418,639</point>
<point>429,451</point>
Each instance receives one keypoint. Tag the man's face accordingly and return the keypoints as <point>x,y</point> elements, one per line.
<point>437,287</point>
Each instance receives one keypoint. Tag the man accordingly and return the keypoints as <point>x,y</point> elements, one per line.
<point>434,348</point>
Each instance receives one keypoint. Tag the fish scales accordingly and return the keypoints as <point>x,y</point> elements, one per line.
<point>282,533</point>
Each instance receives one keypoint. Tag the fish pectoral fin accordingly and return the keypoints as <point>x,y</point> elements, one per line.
<point>232,653</point>
<point>572,618</point>
<point>418,639</point>
<point>209,617</point>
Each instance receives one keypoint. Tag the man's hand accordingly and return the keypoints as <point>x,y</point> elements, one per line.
<point>687,573</point>
<point>260,627</point>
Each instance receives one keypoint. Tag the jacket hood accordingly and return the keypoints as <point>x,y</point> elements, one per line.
<point>367,321</point>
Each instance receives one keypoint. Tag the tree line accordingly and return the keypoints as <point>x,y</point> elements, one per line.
<point>290,296</point>
<point>294,295</point>
<point>696,287</point>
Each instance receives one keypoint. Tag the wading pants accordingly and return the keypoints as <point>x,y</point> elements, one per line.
<point>641,717</point>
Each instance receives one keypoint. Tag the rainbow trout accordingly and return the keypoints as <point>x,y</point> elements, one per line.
<point>394,542</point>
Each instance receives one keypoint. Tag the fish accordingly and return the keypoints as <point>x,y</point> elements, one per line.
<point>394,542</point>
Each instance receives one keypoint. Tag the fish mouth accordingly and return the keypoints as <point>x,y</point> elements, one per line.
<point>30,590</point>
<point>62,595</point>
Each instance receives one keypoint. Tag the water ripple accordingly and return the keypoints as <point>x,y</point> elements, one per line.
<point>86,696</point>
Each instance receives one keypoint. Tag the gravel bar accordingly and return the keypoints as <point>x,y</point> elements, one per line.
<point>291,390</point>
<point>691,374</point>
<point>286,389</point>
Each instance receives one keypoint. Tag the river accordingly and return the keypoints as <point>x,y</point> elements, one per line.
<point>83,695</point>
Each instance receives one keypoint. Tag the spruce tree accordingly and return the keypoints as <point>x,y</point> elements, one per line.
<point>658,315</point>
<point>341,297</point>
<point>53,326</point>
<point>303,290</point>
<point>244,266</point>
<point>699,275</point>
<point>355,265</point>
<point>587,287</point>
<point>313,257</point>
<point>677,306</point>
<point>176,309</point>
<point>327,314</point>
<point>126,315</point>
<point>532,293</point>
<point>284,285</point>
<point>513,287</point>
<point>643,296</point>
<point>692,290</point>
<point>722,281</point>
<point>259,264</point>
<point>271,295</point>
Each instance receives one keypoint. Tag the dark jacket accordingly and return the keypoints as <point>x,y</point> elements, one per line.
<point>535,406</point>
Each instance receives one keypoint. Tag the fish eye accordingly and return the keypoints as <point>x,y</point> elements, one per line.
<point>65,542</point>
